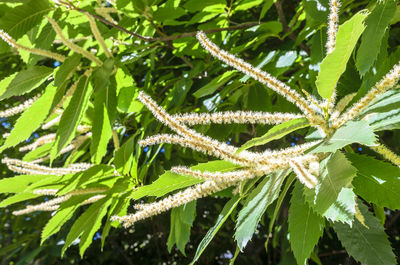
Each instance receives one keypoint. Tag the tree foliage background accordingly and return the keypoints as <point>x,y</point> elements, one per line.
<point>153,49</point>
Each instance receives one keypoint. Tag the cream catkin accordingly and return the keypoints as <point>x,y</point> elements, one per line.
<point>341,105</point>
<point>387,153</point>
<point>255,164</point>
<point>147,210</point>
<point>97,35</point>
<point>261,76</point>
<point>75,144</point>
<point>45,139</point>
<point>71,45</point>
<point>53,204</point>
<point>13,43</point>
<point>226,152</point>
<point>51,123</point>
<point>24,167</point>
<point>215,147</point>
<point>386,83</point>
<point>303,175</point>
<point>227,177</point>
<point>293,151</point>
<point>333,21</point>
<point>18,109</point>
<point>228,117</point>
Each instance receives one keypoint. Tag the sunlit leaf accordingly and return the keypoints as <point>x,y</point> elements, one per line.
<point>276,132</point>
<point>26,80</point>
<point>377,22</point>
<point>334,64</point>
<point>31,119</point>
<point>351,132</point>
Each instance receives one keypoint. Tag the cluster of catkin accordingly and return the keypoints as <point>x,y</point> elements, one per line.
<point>253,164</point>
<point>83,131</point>
<point>54,204</point>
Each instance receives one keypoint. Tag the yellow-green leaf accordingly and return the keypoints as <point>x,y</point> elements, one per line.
<point>26,80</point>
<point>377,23</point>
<point>305,226</point>
<point>276,132</point>
<point>334,64</point>
<point>31,119</point>
<point>72,116</point>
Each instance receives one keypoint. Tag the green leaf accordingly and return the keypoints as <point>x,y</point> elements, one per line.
<point>63,214</point>
<point>99,211</point>
<point>72,116</point>
<point>19,197</point>
<point>81,179</point>
<point>69,65</point>
<point>195,5</point>
<point>385,102</point>
<point>336,176</point>
<point>18,183</point>
<point>279,202</point>
<point>168,13</point>
<point>127,100</point>
<point>267,5</point>
<point>276,132</point>
<point>247,4</point>
<point>101,134</point>
<point>376,182</point>
<point>118,204</point>
<point>352,132</point>
<point>26,80</point>
<point>102,130</point>
<point>334,64</point>
<point>31,119</point>
<point>86,225</point>
<point>214,84</point>
<point>182,218</point>
<point>377,22</point>
<point>344,209</point>
<point>383,113</point>
<point>384,121</point>
<point>256,205</point>
<point>169,181</point>
<point>368,245</point>
<point>5,82</point>
<point>123,158</point>
<point>222,217</point>
<point>22,18</point>
<point>305,226</point>
<point>317,10</point>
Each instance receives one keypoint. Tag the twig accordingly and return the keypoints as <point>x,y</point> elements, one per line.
<point>286,28</point>
<point>105,21</point>
<point>334,252</point>
<point>165,38</point>
<point>191,34</point>
<point>169,44</point>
